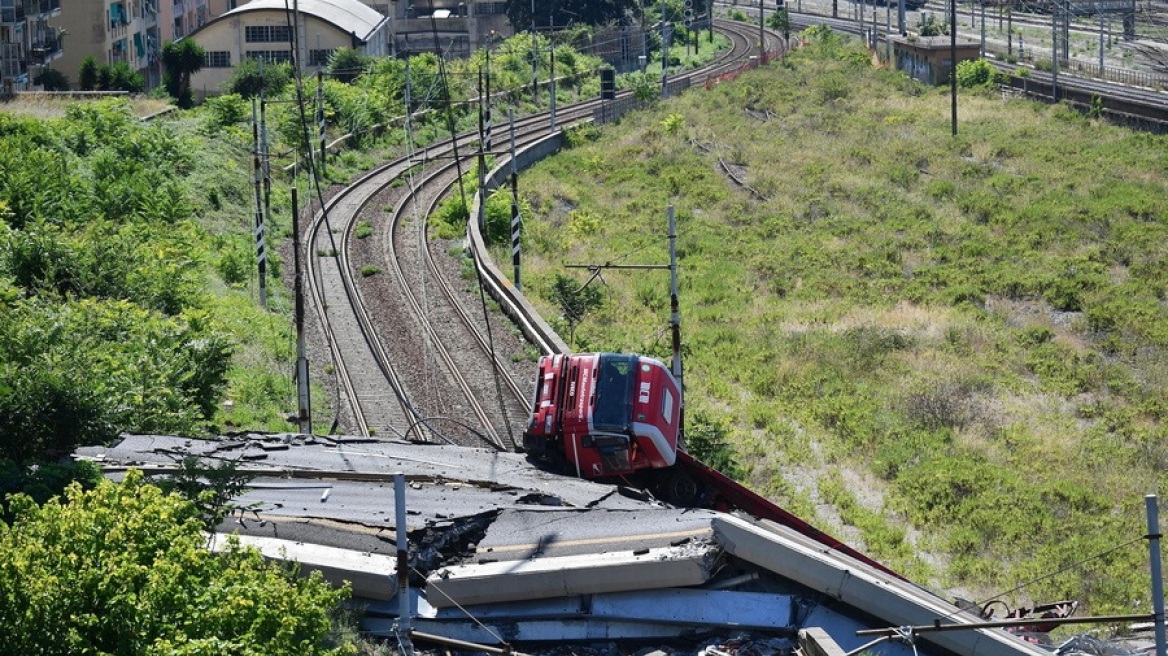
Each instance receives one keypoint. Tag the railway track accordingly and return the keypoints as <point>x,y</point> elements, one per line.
<point>414,354</point>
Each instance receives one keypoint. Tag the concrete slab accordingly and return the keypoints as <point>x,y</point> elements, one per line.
<point>520,533</point>
<point>710,608</point>
<point>891,600</point>
<point>372,576</point>
<point>543,578</point>
<point>551,631</point>
<point>330,457</point>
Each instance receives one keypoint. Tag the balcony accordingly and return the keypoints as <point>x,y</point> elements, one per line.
<point>42,8</point>
<point>45,50</point>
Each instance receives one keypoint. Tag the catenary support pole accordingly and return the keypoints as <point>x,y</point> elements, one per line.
<point>664,54</point>
<point>1157,575</point>
<point>1054,58</point>
<point>482,160</point>
<point>900,18</point>
<point>258,171</point>
<point>320,120</point>
<point>762,34</point>
<point>1102,29</point>
<point>953,60</point>
<point>403,564</point>
<point>488,145</point>
<point>265,165</point>
<point>674,303</point>
<point>515,219</point>
<point>304,413</point>
<point>552,72</point>
<point>983,4</point>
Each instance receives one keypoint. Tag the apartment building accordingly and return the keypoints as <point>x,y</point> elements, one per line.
<point>454,28</point>
<point>28,43</point>
<point>131,31</point>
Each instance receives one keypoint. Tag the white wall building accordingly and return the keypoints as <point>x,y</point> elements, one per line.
<point>262,29</point>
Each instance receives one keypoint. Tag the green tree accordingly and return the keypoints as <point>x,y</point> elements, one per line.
<point>346,64</point>
<point>124,78</point>
<point>87,74</point>
<point>53,80</point>
<point>247,78</point>
<point>181,59</point>
<point>123,569</point>
<point>574,301</point>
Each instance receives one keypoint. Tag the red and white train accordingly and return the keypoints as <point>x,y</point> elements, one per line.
<point>604,415</point>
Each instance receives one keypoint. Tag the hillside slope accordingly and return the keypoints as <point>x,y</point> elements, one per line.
<point>949,349</point>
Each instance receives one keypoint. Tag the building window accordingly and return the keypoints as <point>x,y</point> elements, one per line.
<point>270,55</point>
<point>319,57</point>
<point>217,59</point>
<point>267,34</point>
<point>490,8</point>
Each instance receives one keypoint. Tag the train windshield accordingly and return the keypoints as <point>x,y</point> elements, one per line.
<point>615,378</point>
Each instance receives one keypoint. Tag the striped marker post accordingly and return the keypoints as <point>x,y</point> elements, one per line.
<point>515,222</point>
<point>320,117</point>
<point>487,109</point>
<point>258,174</point>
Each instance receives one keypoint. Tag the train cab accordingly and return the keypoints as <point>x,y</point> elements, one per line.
<point>604,414</point>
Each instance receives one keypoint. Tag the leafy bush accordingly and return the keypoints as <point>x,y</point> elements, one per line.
<point>228,109</point>
<point>976,73</point>
<point>247,80</point>
<point>346,64</point>
<point>128,555</point>
<point>52,80</point>
<point>87,74</point>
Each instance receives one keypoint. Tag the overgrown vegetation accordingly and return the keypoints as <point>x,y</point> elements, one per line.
<point>974,325</point>
<point>123,569</point>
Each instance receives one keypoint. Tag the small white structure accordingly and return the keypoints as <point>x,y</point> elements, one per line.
<point>262,29</point>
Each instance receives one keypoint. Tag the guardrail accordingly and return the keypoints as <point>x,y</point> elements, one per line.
<point>512,301</point>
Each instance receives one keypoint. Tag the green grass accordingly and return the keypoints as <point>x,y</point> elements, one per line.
<point>970,322</point>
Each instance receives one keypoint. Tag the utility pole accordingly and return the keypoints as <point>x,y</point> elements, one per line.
<point>953,60</point>
<point>1157,577</point>
<point>534,60</point>
<point>516,222</point>
<point>761,34</point>
<point>261,255</point>
<point>320,120</point>
<point>552,70</point>
<point>304,414</point>
<point>258,173</point>
<point>664,54</point>
<point>1054,63</point>
<point>482,159</point>
<point>675,313</point>
<point>403,564</point>
<point>983,29</point>
<point>674,306</point>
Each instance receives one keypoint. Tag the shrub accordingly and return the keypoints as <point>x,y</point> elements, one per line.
<point>53,80</point>
<point>247,80</point>
<point>87,74</point>
<point>976,73</point>
<point>128,555</point>
<point>228,109</point>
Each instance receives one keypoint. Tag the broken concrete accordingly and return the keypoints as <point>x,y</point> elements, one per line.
<point>544,578</point>
<point>893,601</point>
<point>372,576</point>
